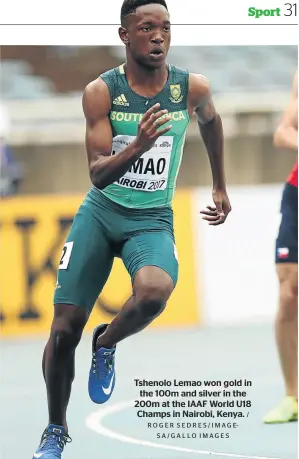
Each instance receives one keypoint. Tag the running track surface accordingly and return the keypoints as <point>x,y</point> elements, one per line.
<point>113,430</point>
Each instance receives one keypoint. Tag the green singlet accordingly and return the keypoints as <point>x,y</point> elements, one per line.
<point>151,181</point>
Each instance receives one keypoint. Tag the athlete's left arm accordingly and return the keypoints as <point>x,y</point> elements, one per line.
<point>210,127</point>
<point>286,134</point>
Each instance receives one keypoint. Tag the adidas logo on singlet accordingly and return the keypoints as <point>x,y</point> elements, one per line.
<point>121,100</point>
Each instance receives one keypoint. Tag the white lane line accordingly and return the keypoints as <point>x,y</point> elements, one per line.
<point>95,419</point>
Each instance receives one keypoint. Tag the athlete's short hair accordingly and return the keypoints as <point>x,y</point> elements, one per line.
<point>130,7</point>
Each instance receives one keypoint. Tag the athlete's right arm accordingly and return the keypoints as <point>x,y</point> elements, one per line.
<point>286,134</point>
<point>104,168</point>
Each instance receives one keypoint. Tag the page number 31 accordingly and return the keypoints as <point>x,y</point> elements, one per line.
<point>290,9</point>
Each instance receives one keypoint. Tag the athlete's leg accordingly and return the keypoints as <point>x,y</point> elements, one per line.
<point>286,325</point>
<point>151,261</point>
<point>287,315</point>
<point>84,268</point>
<point>149,256</point>
<point>59,358</point>
<point>151,289</point>
<point>286,330</point>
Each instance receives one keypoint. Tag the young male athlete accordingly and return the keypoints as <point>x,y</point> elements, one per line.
<point>136,121</point>
<point>286,326</point>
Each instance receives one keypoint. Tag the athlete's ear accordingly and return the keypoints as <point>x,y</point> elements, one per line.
<point>123,34</point>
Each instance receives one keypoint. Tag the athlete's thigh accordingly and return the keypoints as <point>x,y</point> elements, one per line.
<point>152,248</point>
<point>85,263</point>
<point>287,238</point>
<point>288,277</point>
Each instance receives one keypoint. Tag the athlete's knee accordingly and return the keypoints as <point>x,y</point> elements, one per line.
<point>151,300</point>
<point>288,300</point>
<point>152,294</point>
<point>67,328</point>
<point>64,339</point>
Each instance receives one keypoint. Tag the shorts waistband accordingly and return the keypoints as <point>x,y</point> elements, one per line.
<point>95,195</point>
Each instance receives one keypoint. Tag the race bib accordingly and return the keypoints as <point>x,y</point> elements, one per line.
<point>150,171</point>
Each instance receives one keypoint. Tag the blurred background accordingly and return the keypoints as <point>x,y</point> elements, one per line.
<point>227,275</point>
<point>41,90</point>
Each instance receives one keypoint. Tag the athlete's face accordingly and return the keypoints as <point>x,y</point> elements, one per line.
<point>147,35</point>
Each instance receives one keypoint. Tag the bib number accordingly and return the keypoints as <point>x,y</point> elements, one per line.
<point>66,255</point>
<point>150,171</point>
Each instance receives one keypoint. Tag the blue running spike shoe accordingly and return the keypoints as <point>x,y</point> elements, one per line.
<point>102,374</point>
<point>52,443</point>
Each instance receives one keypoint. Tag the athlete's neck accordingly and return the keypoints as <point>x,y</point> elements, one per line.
<point>149,81</point>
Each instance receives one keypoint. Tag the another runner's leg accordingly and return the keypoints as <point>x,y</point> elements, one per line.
<point>286,330</point>
<point>286,322</point>
<point>286,326</point>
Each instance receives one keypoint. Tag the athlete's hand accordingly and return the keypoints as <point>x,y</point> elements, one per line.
<point>148,128</point>
<point>218,214</point>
